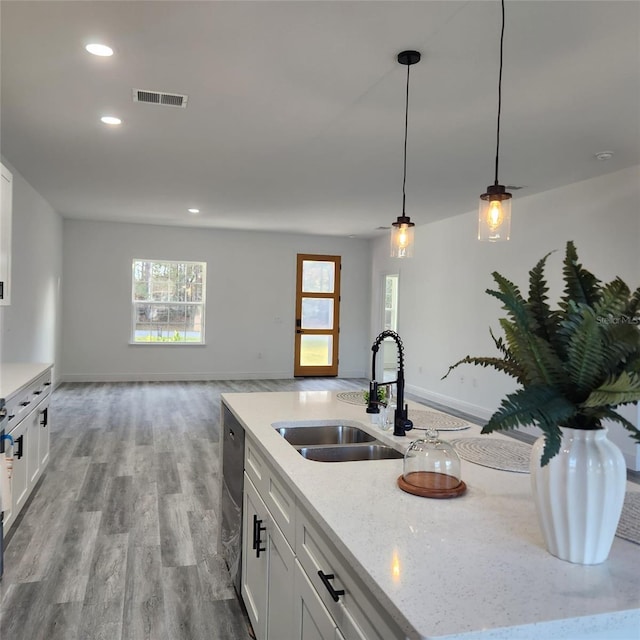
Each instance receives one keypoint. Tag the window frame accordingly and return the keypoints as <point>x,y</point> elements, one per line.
<point>168,304</point>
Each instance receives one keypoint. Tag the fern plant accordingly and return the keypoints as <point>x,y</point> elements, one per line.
<point>574,364</point>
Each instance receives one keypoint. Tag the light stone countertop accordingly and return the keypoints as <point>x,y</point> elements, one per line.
<point>15,375</point>
<point>473,567</point>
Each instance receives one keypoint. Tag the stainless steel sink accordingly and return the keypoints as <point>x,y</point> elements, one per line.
<point>324,434</point>
<point>349,453</point>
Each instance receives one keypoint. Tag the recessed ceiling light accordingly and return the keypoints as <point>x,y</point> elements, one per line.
<point>111,120</point>
<point>193,210</point>
<point>99,50</point>
<point>604,155</point>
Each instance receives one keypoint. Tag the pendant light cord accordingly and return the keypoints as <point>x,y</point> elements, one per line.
<point>499,95</point>
<point>406,127</point>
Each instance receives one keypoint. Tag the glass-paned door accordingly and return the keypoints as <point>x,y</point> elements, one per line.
<point>317,315</point>
<point>390,321</point>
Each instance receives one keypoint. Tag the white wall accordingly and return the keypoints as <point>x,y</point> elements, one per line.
<point>445,313</point>
<point>30,326</point>
<point>251,279</point>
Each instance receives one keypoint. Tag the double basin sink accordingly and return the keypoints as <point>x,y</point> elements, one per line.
<point>335,442</point>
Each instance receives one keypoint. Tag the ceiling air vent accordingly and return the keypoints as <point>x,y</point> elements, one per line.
<point>160,97</point>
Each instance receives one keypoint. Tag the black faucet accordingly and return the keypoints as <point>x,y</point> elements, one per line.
<point>401,422</point>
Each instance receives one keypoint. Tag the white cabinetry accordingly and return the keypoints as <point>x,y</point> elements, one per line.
<point>312,620</point>
<point>28,426</point>
<point>295,584</point>
<point>338,588</point>
<point>6,208</point>
<point>268,560</point>
<point>19,475</point>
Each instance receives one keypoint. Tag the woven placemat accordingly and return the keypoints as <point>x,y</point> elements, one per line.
<point>352,397</point>
<point>504,455</point>
<point>435,420</point>
<point>421,419</point>
<point>629,525</point>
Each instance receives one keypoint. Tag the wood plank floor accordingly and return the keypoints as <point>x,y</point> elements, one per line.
<point>118,541</point>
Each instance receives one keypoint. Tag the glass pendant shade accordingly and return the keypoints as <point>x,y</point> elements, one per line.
<point>494,217</point>
<point>402,238</point>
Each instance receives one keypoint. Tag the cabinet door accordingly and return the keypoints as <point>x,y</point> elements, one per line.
<point>281,562</point>
<point>19,476</point>
<point>254,559</point>
<point>44,432</point>
<point>6,188</point>
<point>311,619</point>
<point>32,438</point>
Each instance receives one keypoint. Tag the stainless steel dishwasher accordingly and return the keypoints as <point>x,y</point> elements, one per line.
<point>232,486</point>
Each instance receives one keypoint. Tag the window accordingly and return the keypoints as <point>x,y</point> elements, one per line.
<point>168,300</point>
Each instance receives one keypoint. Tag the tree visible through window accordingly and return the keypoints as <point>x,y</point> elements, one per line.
<point>168,300</point>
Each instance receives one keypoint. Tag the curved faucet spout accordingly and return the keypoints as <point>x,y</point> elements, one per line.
<point>401,422</point>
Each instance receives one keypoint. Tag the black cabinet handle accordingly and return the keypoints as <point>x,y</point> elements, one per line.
<point>255,538</point>
<point>47,384</point>
<point>26,403</point>
<point>19,442</point>
<point>335,593</point>
<point>1,290</point>
<point>257,529</point>
<point>37,393</point>
<point>45,417</point>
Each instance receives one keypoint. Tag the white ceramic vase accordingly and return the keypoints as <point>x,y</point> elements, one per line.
<point>579,495</point>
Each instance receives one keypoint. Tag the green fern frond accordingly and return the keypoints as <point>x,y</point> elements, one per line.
<point>538,361</point>
<point>610,414</point>
<point>509,367</point>
<point>581,286</point>
<point>513,302</point>
<point>586,349</point>
<point>634,303</point>
<point>543,406</point>
<point>622,346</point>
<point>623,389</point>
<point>500,345</point>
<point>537,302</point>
<point>614,299</point>
<point>552,442</point>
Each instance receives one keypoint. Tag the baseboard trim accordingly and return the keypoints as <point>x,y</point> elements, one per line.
<point>174,377</point>
<point>474,412</point>
<point>185,377</point>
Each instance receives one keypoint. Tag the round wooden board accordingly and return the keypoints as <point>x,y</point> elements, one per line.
<point>428,488</point>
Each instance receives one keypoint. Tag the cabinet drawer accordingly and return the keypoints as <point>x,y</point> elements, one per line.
<point>356,613</point>
<point>277,497</point>
<point>22,403</point>
<point>41,388</point>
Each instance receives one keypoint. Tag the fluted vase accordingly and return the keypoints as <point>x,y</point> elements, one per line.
<point>579,495</point>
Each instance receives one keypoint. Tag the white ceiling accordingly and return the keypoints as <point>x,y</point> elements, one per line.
<point>295,115</point>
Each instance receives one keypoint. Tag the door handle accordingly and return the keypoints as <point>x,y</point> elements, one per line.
<point>45,417</point>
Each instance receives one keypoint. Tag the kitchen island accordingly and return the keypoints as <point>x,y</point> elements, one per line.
<point>473,567</point>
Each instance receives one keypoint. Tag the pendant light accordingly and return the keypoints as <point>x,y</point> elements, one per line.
<point>402,228</point>
<point>494,218</point>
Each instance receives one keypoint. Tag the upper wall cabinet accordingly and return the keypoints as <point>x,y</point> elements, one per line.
<point>6,209</point>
